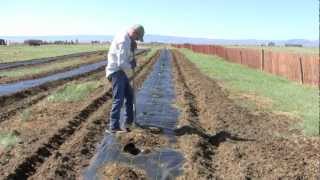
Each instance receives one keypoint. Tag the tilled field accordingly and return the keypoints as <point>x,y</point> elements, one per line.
<point>216,138</point>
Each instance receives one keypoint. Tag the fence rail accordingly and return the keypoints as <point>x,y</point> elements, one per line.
<point>303,68</point>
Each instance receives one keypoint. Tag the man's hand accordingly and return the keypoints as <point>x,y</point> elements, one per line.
<point>133,45</point>
<point>133,63</point>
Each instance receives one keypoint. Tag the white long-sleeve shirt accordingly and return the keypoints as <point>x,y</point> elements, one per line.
<point>120,54</point>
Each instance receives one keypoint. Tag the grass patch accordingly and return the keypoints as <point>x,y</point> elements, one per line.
<point>74,92</point>
<point>150,53</point>
<point>47,67</point>
<point>25,115</point>
<point>286,96</point>
<point>8,140</point>
<point>25,52</point>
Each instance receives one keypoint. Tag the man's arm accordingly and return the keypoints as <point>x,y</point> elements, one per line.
<point>124,56</point>
<point>133,46</point>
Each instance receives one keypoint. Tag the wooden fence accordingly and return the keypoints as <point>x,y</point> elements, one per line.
<point>303,68</point>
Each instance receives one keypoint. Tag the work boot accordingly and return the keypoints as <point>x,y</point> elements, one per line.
<point>114,131</point>
<point>127,127</point>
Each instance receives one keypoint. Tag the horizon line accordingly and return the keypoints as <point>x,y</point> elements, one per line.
<point>208,38</point>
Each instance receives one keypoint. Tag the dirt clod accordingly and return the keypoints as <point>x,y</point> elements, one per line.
<point>142,139</point>
<point>122,172</point>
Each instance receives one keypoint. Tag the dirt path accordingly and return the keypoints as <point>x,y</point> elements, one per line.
<point>64,123</point>
<point>225,141</point>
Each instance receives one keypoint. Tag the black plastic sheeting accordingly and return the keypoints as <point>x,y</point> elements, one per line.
<point>160,164</point>
<point>154,108</point>
<point>6,89</point>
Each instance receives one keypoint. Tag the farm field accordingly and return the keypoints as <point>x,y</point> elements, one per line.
<point>190,125</point>
<point>24,52</point>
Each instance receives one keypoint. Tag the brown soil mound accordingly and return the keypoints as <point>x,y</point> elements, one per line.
<point>122,172</point>
<point>142,139</point>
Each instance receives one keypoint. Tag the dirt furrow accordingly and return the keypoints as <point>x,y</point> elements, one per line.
<point>30,164</point>
<point>194,140</point>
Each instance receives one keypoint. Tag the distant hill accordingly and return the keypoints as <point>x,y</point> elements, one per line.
<point>167,39</point>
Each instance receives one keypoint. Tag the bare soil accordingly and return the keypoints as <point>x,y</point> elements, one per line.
<point>143,139</point>
<point>122,172</point>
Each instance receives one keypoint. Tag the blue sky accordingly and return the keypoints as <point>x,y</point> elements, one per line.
<point>223,19</point>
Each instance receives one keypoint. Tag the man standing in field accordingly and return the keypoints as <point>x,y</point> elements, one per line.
<point>120,59</point>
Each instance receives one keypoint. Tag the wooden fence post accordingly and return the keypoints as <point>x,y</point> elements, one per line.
<point>301,71</point>
<point>262,60</point>
<point>240,56</point>
<point>226,54</point>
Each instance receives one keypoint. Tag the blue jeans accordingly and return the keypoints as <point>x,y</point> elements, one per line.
<point>121,90</point>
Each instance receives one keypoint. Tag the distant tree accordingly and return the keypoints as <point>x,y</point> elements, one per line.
<point>58,42</point>
<point>271,44</point>
<point>95,42</point>
<point>3,42</point>
<point>293,45</point>
<point>45,42</point>
<point>33,42</point>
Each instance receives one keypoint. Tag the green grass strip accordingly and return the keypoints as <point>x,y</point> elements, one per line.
<point>150,53</point>
<point>74,92</point>
<point>7,140</point>
<point>286,96</point>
